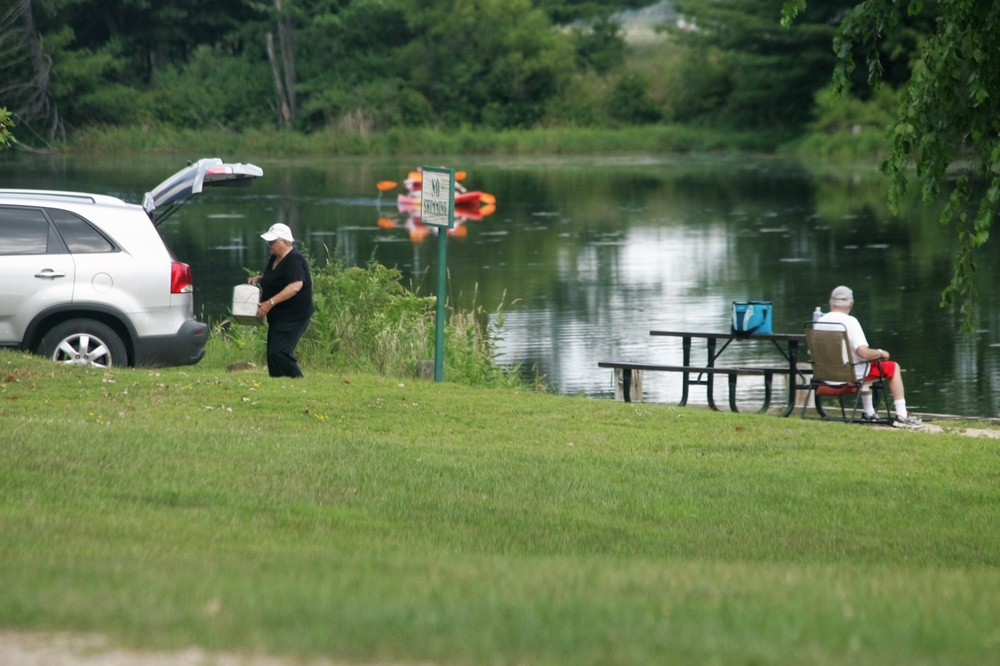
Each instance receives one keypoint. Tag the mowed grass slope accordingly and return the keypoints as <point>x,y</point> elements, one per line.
<point>378,520</point>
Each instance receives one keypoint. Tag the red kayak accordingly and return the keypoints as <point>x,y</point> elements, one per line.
<point>462,199</point>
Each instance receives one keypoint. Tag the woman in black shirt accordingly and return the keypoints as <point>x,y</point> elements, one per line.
<point>286,300</point>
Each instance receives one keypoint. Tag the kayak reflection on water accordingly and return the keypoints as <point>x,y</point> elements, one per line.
<point>469,206</point>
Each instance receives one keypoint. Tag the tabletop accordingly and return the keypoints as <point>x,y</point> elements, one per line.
<point>776,337</point>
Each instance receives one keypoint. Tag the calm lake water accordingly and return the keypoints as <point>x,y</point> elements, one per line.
<point>587,255</point>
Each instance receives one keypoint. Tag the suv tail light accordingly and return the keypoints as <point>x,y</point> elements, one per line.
<point>180,278</point>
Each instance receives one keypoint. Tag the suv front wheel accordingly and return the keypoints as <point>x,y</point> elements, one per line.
<point>84,342</point>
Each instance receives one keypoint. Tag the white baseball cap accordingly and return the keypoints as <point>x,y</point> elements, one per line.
<point>278,231</point>
<point>842,296</point>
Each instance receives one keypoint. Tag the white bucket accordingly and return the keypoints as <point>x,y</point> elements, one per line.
<point>246,300</point>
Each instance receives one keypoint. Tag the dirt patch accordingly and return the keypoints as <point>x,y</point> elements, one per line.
<point>62,649</point>
<point>31,649</point>
<point>989,433</point>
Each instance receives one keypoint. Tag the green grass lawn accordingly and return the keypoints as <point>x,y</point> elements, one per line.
<point>384,520</point>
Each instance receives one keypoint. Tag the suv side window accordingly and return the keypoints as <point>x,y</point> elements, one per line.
<point>80,237</point>
<point>27,231</point>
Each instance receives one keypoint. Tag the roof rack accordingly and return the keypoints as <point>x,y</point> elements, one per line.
<point>47,195</point>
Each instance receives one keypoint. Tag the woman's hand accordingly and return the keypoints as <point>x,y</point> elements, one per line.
<point>253,280</point>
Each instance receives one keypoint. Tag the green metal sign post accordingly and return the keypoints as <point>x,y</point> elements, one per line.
<point>437,208</point>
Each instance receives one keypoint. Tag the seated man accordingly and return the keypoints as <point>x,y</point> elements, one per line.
<point>841,302</point>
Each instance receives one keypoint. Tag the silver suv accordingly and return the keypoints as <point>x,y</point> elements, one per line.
<point>86,278</point>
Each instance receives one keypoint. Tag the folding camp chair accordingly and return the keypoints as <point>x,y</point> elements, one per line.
<point>834,374</point>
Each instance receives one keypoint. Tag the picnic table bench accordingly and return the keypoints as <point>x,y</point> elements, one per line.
<point>704,375</point>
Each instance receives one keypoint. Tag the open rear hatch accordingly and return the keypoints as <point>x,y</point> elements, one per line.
<point>169,195</point>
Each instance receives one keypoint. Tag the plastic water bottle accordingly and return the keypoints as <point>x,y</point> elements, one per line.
<point>817,313</point>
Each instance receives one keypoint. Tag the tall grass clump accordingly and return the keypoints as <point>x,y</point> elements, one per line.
<point>367,321</point>
<point>471,352</point>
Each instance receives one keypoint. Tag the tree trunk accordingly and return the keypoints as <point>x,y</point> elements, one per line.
<point>286,42</point>
<point>30,99</point>
<point>284,112</point>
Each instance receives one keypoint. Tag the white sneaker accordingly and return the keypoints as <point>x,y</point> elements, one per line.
<point>908,421</point>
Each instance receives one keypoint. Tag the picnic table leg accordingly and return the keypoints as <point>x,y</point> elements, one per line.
<point>793,372</point>
<point>710,379</point>
<point>686,346</point>
<point>768,383</point>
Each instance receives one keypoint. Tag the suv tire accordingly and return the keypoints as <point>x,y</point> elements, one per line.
<point>84,342</point>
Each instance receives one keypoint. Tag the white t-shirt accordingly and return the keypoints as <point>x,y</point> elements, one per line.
<point>856,336</point>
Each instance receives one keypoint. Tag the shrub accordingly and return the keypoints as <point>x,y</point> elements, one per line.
<point>848,127</point>
<point>365,320</point>
<point>630,101</point>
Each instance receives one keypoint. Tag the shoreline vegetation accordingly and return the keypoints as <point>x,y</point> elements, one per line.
<point>660,138</point>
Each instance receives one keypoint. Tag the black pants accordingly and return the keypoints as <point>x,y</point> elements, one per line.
<point>282,338</point>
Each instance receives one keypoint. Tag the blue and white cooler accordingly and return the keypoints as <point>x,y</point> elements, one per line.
<point>750,317</point>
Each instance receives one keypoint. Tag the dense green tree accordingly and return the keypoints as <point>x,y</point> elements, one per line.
<point>494,62</point>
<point>353,69</point>
<point>630,102</point>
<point>432,62</point>
<point>949,118</point>
<point>600,45</point>
<point>77,62</point>
<point>744,71</point>
<point>359,64</point>
<point>214,88</point>
<point>149,35</point>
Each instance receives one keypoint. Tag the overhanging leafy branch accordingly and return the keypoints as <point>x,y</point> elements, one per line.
<point>948,121</point>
